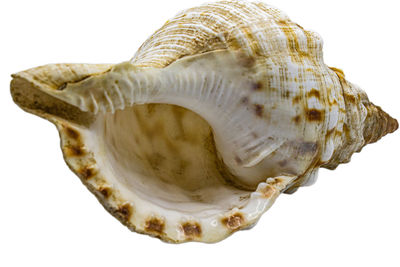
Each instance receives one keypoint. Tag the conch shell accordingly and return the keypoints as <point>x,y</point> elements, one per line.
<point>219,111</point>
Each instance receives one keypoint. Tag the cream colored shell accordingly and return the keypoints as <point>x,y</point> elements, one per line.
<point>219,111</point>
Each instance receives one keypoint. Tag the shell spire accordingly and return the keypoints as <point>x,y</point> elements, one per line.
<point>364,122</point>
<point>377,123</point>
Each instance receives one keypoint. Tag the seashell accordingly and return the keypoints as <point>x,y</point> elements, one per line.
<point>222,109</point>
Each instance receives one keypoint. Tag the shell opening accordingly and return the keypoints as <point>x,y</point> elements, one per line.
<point>154,166</point>
<point>169,160</point>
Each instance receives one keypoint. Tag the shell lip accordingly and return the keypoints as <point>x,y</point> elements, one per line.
<point>146,217</point>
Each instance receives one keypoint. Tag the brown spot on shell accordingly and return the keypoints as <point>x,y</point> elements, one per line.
<point>124,211</point>
<point>268,191</point>
<point>246,60</point>
<point>191,229</point>
<point>155,225</point>
<point>234,44</point>
<point>314,93</point>
<point>314,114</point>
<point>72,133</point>
<point>258,109</point>
<point>238,160</point>
<point>74,151</point>
<point>244,100</point>
<point>86,172</point>
<point>105,192</point>
<point>234,221</point>
<point>297,119</point>
<point>285,94</point>
<point>350,98</point>
<point>296,99</point>
<point>257,86</point>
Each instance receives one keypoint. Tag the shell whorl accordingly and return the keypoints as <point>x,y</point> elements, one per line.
<point>291,56</point>
<point>377,119</point>
<point>253,27</point>
<point>266,33</point>
<point>365,123</point>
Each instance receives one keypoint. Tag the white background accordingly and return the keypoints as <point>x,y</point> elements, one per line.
<point>350,217</point>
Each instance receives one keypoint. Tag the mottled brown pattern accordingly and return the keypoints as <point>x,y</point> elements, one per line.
<point>268,191</point>
<point>314,115</point>
<point>296,99</point>
<point>125,211</point>
<point>350,98</point>
<point>314,93</point>
<point>285,94</point>
<point>105,191</point>
<point>257,86</point>
<point>238,160</point>
<point>155,225</point>
<point>330,132</point>
<point>259,110</point>
<point>297,119</point>
<point>191,229</point>
<point>86,172</point>
<point>74,151</point>
<point>234,221</point>
<point>71,133</point>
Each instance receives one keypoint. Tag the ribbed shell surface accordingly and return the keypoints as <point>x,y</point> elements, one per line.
<point>290,57</point>
<point>254,27</point>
